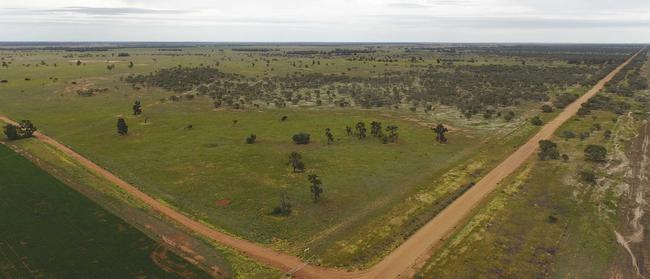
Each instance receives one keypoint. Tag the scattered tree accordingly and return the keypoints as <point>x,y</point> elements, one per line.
<point>137,108</point>
<point>361,130</point>
<point>316,187</point>
<point>122,128</point>
<point>596,153</point>
<point>11,131</point>
<point>295,160</point>
<point>251,139</point>
<point>440,131</point>
<point>329,135</point>
<point>536,121</point>
<point>284,209</point>
<point>301,138</point>
<point>548,150</point>
<point>546,108</point>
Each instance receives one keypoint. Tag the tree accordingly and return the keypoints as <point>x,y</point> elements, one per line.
<point>329,135</point>
<point>137,108</point>
<point>361,130</point>
<point>546,108</point>
<point>130,64</point>
<point>122,128</point>
<point>295,160</point>
<point>587,175</point>
<point>536,121</point>
<point>596,153</point>
<point>251,139</point>
<point>301,138</point>
<point>284,209</point>
<point>26,129</point>
<point>568,135</point>
<point>11,131</point>
<point>78,62</point>
<point>440,131</point>
<point>316,187</point>
<point>548,150</point>
<point>375,129</point>
<point>509,116</point>
<point>392,133</point>
<point>348,130</point>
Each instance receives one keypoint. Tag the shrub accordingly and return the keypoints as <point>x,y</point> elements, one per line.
<point>587,176</point>
<point>548,150</point>
<point>536,121</point>
<point>251,139</point>
<point>301,138</point>
<point>595,153</point>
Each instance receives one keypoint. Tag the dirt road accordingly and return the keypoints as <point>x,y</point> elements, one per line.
<point>397,264</point>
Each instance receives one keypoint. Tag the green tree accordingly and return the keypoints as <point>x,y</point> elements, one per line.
<point>122,128</point>
<point>596,153</point>
<point>295,160</point>
<point>548,150</point>
<point>301,138</point>
<point>329,135</point>
<point>137,108</point>
<point>392,133</point>
<point>440,131</point>
<point>536,121</point>
<point>375,129</point>
<point>361,130</point>
<point>11,131</point>
<point>547,108</point>
<point>316,187</point>
<point>26,129</point>
<point>251,139</point>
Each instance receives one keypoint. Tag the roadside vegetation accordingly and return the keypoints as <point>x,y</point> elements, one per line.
<point>559,215</point>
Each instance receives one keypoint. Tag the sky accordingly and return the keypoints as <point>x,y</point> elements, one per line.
<point>552,21</point>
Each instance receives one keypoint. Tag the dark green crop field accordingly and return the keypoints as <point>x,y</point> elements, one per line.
<point>48,230</point>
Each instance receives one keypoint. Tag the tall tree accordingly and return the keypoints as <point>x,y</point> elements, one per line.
<point>361,130</point>
<point>392,133</point>
<point>11,131</point>
<point>295,160</point>
<point>329,135</point>
<point>375,129</point>
<point>137,108</point>
<point>316,187</point>
<point>440,131</point>
<point>122,128</point>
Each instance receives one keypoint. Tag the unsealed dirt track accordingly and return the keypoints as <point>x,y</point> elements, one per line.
<point>399,262</point>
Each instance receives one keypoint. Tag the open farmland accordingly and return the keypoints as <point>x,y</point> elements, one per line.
<point>189,147</point>
<point>50,231</point>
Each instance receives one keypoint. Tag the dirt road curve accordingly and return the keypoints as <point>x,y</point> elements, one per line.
<point>399,262</point>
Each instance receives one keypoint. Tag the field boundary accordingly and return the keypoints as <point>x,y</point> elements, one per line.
<point>400,262</point>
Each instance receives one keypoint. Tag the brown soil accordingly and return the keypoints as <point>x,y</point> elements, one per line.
<point>223,202</point>
<point>401,262</point>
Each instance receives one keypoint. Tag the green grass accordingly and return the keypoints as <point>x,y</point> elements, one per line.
<point>51,231</point>
<point>387,190</point>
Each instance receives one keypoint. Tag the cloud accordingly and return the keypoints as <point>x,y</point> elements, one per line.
<point>509,22</point>
<point>109,11</point>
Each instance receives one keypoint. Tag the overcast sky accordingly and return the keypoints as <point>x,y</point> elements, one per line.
<point>583,21</point>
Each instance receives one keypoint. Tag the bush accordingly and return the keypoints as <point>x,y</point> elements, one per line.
<point>25,129</point>
<point>568,135</point>
<point>587,176</point>
<point>301,138</point>
<point>548,150</point>
<point>596,153</point>
<point>536,121</point>
<point>251,139</point>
